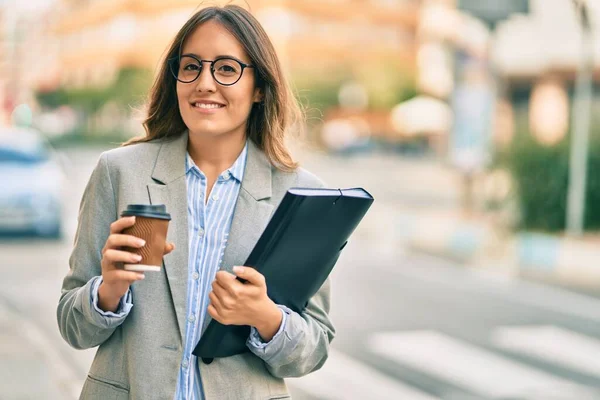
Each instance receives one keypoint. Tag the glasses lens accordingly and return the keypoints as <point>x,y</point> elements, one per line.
<point>227,71</point>
<point>189,69</point>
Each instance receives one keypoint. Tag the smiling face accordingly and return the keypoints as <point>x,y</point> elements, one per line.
<point>207,108</point>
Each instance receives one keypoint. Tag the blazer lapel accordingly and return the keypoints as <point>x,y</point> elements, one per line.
<point>171,190</point>
<point>252,212</point>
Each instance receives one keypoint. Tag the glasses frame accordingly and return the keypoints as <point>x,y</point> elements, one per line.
<point>177,60</point>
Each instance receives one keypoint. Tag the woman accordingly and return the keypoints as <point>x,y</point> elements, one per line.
<point>214,154</point>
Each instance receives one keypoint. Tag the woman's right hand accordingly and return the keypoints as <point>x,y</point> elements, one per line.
<point>116,280</point>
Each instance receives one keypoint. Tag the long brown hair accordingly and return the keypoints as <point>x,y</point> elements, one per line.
<point>268,122</point>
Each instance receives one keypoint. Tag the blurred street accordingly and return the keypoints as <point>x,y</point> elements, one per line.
<point>474,124</point>
<point>410,326</point>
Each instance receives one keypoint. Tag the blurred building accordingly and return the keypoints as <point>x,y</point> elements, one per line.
<point>537,57</point>
<point>532,61</point>
<point>3,67</point>
<point>27,56</point>
<point>99,37</point>
<point>12,54</point>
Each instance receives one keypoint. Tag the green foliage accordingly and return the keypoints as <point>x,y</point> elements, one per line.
<point>77,138</point>
<point>131,87</point>
<point>321,95</point>
<point>53,99</point>
<point>128,89</point>
<point>404,93</point>
<point>388,85</point>
<point>385,84</point>
<point>541,174</point>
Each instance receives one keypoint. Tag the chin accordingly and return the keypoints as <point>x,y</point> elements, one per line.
<point>211,129</point>
<point>204,127</point>
<point>206,130</point>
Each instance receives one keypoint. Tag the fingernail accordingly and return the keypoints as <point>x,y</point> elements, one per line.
<point>141,242</point>
<point>238,269</point>
<point>142,276</point>
<point>138,257</point>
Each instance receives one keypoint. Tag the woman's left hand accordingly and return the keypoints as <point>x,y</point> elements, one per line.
<point>235,303</point>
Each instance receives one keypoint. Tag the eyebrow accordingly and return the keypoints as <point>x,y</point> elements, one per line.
<point>218,56</point>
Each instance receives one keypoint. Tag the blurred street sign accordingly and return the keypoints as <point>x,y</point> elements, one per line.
<point>473,102</point>
<point>493,11</point>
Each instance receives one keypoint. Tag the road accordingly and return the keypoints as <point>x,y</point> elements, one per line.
<point>409,325</point>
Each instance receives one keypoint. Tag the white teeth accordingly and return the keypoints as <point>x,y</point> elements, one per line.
<point>211,105</point>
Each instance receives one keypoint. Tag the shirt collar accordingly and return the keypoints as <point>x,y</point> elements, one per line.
<point>236,170</point>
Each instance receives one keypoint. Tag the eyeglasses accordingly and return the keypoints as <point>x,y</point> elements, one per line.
<point>225,71</point>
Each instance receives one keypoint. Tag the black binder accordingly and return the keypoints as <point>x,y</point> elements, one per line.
<point>296,253</point>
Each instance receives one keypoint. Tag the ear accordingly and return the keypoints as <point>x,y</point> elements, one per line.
<point>258,95</point>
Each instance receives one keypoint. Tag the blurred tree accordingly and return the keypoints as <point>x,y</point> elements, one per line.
<point>129,89</point>
<point>387,84</point>
<point>317,91</point>
<point>541,176</point>
<point>52,99</point>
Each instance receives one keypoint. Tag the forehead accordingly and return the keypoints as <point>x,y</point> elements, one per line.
<point>211,39</point>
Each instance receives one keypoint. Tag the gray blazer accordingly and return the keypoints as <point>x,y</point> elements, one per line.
<point>139,355</point>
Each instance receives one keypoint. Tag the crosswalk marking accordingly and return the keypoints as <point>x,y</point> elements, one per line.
<point>551,344</point>
<point>344,378</point>
<point>473,368</point>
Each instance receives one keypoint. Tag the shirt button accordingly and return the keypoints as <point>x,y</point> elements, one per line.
<point>225,175</point>
<point>191,318</point>
<point>200,232</point>
<point>195,276</point>
<point>185,364</point>
<point>215,197</point>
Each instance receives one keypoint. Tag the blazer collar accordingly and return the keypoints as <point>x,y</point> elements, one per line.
<point>170,166</point>
<point>170,160</point>
<point>257,176</point>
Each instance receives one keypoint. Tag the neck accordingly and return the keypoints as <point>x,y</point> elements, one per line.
<point>215,153</point>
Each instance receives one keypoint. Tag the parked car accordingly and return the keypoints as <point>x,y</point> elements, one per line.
<point>32,184</point>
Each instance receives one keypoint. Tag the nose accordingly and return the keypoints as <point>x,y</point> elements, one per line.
<point>205,82</point>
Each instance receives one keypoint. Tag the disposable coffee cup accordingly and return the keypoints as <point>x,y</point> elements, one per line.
<point>151,224</point>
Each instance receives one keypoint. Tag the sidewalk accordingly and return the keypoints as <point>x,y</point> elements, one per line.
<point>479,243</point>
<point>31,367</point>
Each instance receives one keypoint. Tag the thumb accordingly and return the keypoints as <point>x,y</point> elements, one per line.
<point>249,274</point>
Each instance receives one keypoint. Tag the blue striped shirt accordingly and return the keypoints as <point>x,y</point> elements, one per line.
<point>208,222</point>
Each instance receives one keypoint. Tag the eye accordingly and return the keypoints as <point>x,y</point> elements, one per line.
<point>191,67</point>
<point>227,67</point>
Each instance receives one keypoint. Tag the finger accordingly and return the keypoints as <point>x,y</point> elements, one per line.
<point>117,240</point>
<point>250,274</point>
<point>220,291</point>
<point>224,278</point>
<point>215,301</point>
<point>123,275</point>
<point>122,223</point>
<point>115,256</point>
<point>169,247</point>
<point>212,311</point>
<point>229,286</point>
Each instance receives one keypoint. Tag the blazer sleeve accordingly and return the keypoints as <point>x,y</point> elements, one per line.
<point>303,346</point>
<point>79,323</point>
